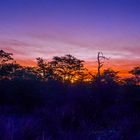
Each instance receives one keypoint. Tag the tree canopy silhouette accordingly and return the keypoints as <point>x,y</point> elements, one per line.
<point>109,76</point>
<point>68,68</point>
<point>136,73</point>
<point>5,57</point>
<point>41,67</point>
<point>64,68</point>
<point>6,67</point>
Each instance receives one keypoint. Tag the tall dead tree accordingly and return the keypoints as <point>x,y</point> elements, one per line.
<point>100,59</point>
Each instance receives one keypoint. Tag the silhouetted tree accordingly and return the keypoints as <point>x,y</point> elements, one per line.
<point>84,76</point>
<point>6,65</point>
<point>5,57</point>
<point>42,67</point>
<point>28,73</point>
<point>16,71</point>
<point>136,73</point>
<point>100,58</point>
<point>68,68</point>
<point>8,70</point>
<point>45,69</point>
<point>109,76</point>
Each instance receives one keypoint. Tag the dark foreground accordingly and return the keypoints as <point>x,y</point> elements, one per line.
<point>33,110</point>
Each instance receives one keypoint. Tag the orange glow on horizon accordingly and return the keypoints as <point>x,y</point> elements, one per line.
<point>122,66</point>
<point>26,62</point>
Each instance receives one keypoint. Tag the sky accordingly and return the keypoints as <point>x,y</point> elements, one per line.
<point>47,28</point>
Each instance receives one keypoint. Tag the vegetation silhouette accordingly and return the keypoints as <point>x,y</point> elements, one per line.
<point>61,100</point>
<point>4,57</point>
<point>100,58</point>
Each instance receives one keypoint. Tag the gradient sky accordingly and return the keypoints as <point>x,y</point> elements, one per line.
<point>46,28</point>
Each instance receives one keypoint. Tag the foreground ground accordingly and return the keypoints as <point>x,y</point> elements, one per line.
<point>32,110</point>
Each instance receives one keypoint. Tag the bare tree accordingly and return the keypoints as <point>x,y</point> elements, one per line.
<point>100,59</point>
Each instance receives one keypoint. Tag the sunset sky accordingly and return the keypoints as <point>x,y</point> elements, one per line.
<point>47,28</point>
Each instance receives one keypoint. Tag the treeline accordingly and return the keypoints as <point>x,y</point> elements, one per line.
<point>61,100</point>
<point>66,69</point>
